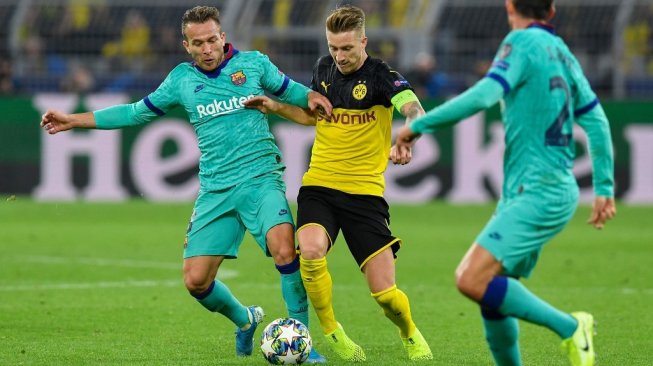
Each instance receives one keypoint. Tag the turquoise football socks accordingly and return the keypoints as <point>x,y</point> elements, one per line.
<point>294,295</point>
<point>502,336</point>
<point>525,305</point>
<point>218,298</point>
<point>292,289</point>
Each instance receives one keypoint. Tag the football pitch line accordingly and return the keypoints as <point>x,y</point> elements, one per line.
<point>178,282</point>
<point>100,262</point>
<point>92,285</point>
<point>223,274</point>
<point>230,274</point>
<point>125,263</point>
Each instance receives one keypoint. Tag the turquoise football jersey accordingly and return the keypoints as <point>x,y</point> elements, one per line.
<point>544,91</point>
<point>235,142</point>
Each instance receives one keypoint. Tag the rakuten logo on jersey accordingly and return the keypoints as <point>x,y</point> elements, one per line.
<point>220,107</point>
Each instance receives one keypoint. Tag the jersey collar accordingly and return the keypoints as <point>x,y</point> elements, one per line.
<point>545,26</point>
<point>229,52</point>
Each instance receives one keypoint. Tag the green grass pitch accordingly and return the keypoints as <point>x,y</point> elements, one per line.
<point>93,284</point>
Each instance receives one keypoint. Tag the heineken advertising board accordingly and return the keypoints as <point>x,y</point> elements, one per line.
<point>158,161</point>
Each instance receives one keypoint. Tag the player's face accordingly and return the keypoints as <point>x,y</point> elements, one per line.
<point>347,50</point>
<point>205,44</point>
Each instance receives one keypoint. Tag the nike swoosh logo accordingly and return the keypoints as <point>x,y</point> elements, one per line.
<point>586,348</point>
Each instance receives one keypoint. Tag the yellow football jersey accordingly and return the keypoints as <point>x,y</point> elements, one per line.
<point>351,151</point>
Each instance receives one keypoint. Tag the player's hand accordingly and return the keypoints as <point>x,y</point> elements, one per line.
<point>263,104</point>
<point>54,121</point>
<point>603,209</point>
<point>320,104</point>
<point>406,138</point>
<point>400,154</point>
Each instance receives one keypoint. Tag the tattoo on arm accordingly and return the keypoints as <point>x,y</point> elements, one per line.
<point>412,110</point>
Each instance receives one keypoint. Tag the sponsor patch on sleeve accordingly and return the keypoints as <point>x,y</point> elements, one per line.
<point>501,64</point>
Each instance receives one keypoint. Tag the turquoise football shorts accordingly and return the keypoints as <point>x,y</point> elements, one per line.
<point>220,218</point>
<point>521,226</point>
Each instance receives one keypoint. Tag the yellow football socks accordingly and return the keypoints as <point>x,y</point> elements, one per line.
<point>396,308</point>
<point>319,287</point>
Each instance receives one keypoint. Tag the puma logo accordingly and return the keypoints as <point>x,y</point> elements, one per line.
<point>325,86</point>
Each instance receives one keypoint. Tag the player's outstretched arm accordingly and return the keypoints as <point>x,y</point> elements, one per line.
<point>290,112</point>
<point>54,121</point>
<point>482,95</point>
<point>401,153</point>
<point>603,209</point>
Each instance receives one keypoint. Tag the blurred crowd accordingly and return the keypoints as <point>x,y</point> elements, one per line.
<point>87,46</point>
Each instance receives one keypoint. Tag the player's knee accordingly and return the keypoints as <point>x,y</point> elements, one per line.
<point>195,284</point>
<point>311,251</point>
<point>284,254</point>
<point>313,242</point>
<point>281,244</point>
<point>280,236</point>
<point>468,285</point>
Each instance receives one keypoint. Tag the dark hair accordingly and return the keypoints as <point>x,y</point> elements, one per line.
<point>346,18</point>
<point>536,9</point>
<point>199,15</point>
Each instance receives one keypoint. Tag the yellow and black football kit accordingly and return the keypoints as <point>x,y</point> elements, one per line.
<point>351,151</point>
<point>343,190</point>
<point>343,187</point>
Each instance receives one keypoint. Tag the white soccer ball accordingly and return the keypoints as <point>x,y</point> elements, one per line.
<point>286,341</point>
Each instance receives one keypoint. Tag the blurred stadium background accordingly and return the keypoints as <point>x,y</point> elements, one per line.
<point>130,45</point>
<point>72,53</point>
<point>100,283</point>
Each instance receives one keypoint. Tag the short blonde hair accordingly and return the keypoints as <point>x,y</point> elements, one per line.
<point>346,19</point>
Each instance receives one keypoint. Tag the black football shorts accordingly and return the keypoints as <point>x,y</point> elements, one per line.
<point>363,219</point>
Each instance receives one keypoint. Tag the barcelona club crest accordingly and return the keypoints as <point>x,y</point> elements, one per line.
<point>238,78</point>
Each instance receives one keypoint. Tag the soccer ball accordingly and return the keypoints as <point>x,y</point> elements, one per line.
<point>286,341</point>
